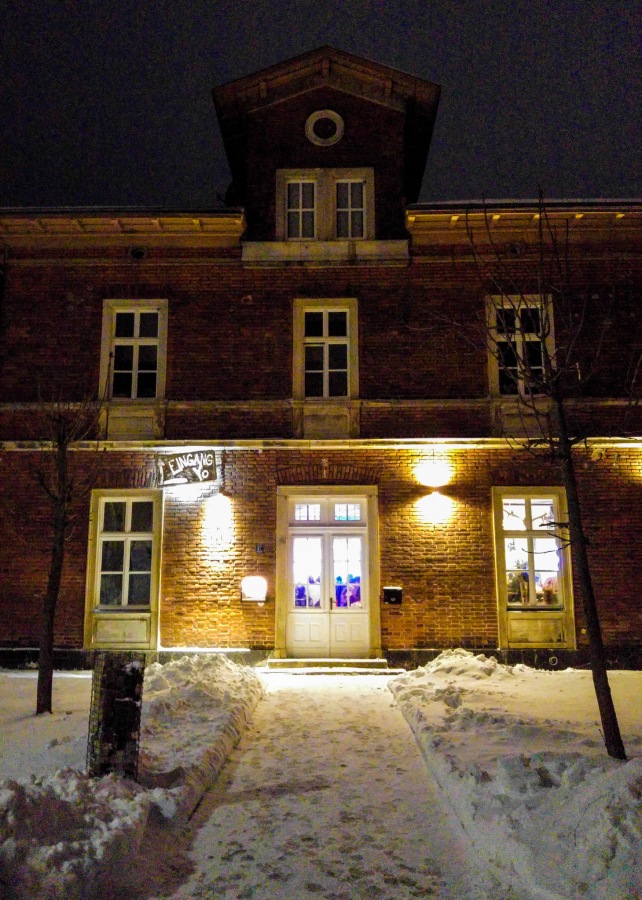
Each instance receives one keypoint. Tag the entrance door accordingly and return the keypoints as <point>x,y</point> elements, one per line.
<point>328,613</point>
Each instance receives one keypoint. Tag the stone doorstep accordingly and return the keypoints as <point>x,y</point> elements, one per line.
<point>323,666</point>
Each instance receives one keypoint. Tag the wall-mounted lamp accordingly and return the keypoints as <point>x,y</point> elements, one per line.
<point>433,472</point>
<point>254,589</point>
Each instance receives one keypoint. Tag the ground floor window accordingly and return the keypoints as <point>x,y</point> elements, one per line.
<point>533,566</point>
<point>123,579</point>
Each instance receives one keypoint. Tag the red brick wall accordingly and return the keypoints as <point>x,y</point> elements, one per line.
<point>447,571</point>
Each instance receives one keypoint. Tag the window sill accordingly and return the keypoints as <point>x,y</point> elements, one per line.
<point>264,253</point>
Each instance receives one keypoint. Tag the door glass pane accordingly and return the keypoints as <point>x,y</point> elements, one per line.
<point>114,516</point>
<point>347,512</point>
<point>307,512</point>
<point>306,566</point>
<point>346,555</point>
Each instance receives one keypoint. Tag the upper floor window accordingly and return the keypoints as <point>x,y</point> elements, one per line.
<point>325,349</point>
<point>521,345</point>
<point>325,204</point>
<point>301,210</point>
<point>133,349</point>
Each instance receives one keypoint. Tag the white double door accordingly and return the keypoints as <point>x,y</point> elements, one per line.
<point>328,614</point>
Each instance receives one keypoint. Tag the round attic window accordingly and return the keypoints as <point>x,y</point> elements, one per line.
<point>324,127</point>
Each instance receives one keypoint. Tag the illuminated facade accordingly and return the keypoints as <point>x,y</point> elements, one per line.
<point>299,450</point>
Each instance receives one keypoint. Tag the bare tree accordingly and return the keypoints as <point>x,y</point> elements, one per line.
<point>65,423</point>
<point>541,326</point>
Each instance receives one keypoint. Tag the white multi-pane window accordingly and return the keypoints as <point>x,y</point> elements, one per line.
<point>531,549</point>
<point>325,204</point>
<point>351,209</point>
<point>134,345</point>
<point>135,354</point>
<point>326,363</point>
<point>521,346</point>
<point>301,210</point>
<point>125,552</point>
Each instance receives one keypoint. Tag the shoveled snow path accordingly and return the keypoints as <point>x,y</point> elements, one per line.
<point>326,796</point>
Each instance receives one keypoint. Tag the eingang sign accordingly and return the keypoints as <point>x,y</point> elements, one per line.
<point>186,468</point>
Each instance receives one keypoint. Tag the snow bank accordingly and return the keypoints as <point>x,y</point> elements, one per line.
<point>544,805</point>
<point>62,835</point>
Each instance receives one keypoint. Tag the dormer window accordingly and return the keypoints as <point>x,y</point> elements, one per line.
<point>301,210</point>
<point>325,204</point>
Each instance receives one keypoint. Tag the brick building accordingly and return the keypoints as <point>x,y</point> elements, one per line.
<point>304,445</point>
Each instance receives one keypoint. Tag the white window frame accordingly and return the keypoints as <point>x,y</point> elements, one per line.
<point>109,342</point>
<point>537,614</point>
<point>350,307</point>
<point>520,338</point>
<point>126,625</point>
<point>325,219</point>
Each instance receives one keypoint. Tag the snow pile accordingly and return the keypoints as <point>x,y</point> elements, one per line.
<point>527,774</point>
<point>62,835</point>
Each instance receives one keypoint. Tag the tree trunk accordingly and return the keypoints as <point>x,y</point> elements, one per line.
<point>45,660</point>
<point>610,726</point>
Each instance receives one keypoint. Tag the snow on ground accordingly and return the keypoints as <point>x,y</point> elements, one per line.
<point>326,796</point>
<point>519,754</point>
<point>63,833</point>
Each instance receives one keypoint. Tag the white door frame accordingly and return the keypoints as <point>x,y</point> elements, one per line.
<point>284,495</point>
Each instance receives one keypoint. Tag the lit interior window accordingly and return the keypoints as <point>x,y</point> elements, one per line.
<point>347,512</point>
<point>307,512</point>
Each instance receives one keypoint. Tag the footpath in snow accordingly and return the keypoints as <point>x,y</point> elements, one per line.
<point>326,796</point>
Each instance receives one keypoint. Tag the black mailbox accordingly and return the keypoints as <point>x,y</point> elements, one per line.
<point>392,595</point>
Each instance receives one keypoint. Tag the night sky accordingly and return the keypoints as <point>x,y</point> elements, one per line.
<point>108,102</point>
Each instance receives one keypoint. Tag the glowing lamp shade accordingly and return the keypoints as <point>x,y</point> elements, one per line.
<point>435,508</point>
<point>433,472</point>
<point>254,589</point>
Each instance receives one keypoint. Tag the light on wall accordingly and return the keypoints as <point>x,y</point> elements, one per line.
<point>435,508</point>
<point>218,521</point>
<point>254,589</point>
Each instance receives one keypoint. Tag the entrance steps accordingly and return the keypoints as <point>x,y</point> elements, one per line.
<point>330,666</point>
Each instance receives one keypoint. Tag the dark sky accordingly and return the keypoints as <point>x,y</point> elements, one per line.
<point>108,102</point>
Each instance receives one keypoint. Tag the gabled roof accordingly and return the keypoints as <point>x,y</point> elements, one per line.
<point>328,67</point>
